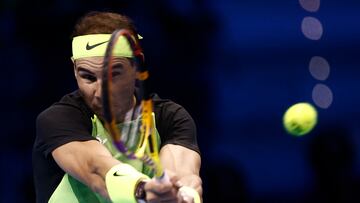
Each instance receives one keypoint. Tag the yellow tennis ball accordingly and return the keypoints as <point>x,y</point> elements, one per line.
<point>300,119</point>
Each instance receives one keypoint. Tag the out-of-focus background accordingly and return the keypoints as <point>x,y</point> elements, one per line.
<point>236,66</point>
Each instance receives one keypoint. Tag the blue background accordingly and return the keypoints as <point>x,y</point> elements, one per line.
<point>236,66</point>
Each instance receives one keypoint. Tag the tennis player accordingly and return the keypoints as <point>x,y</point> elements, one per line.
<point>73,158</point>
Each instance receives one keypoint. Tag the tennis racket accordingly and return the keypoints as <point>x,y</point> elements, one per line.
<point>147,148</point>
<point>140,109</point>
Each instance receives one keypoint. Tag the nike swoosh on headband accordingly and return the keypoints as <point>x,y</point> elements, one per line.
<point>89,47</point>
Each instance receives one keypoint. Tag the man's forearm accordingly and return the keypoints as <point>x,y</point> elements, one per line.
<point>86,161</point>
<point>100,165</point>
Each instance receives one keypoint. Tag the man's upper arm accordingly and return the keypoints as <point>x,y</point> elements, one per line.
<point>61,124</point>
<point>176,126</point>
<point>179,152</point>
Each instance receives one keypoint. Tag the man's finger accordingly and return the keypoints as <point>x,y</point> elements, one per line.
<point>166,197</point>
<point>188,195</point>
<point>158,187</point>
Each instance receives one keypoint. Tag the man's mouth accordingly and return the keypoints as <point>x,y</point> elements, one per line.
<point>98,110</point>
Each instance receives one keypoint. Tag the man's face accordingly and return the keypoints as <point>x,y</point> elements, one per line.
<point>88,73</point>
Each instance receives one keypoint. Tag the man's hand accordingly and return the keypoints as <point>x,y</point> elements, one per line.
<point>174,189</point>
<point>192,181</point>
<point>162,190</point>
<point>189,185</point>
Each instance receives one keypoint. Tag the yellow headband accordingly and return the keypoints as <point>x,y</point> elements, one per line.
<point>95,45</point>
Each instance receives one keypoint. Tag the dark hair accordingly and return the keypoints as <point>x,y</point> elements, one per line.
<point>103,23</point>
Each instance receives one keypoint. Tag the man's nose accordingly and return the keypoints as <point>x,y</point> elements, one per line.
<point>98,90</point>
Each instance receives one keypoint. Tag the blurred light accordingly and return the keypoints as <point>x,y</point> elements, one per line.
<point>310,5</point>
<point>322,96</point>
<point>312,28</point>
<point>319,68</point>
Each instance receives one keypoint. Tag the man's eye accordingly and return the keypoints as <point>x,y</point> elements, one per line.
<point>118,70</point>
<point>89,77</point>
<point>116,73</point>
